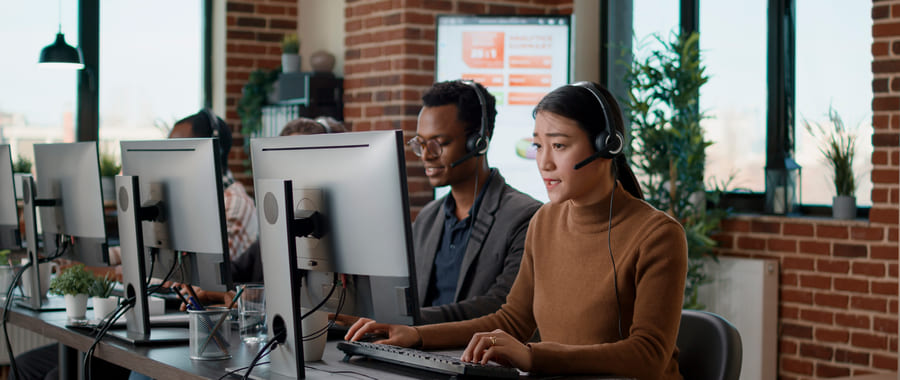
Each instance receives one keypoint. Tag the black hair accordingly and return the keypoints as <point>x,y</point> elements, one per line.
<point>207,124</point>
<point>467,105</point>
<point>577,103</point>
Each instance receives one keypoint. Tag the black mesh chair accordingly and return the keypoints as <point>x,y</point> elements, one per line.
<point>709,347</point>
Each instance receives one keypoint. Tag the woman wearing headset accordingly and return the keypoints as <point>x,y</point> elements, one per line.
<point>602,277</point>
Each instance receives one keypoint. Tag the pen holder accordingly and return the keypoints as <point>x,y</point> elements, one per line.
<point>209,339</point>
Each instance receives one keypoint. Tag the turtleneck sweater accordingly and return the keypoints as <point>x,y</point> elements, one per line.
<point>565,290</point>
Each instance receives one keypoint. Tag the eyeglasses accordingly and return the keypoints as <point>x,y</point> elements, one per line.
<point>419,146</point>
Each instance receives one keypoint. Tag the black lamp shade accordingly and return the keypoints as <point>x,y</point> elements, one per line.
<point>61,53</point>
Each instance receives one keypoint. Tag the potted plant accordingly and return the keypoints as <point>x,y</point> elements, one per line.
<point>290,53</point>
<point>101,296</point>
<point>73,283</point>
<point>7,271</point>
<point>668,147</point>
<point>21,167</point>
<point>838,145</point>
<point>254,96</point>
<point>109,168</point>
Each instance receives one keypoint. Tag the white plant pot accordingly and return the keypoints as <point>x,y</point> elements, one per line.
<point>104,306</point>
<point>76,305</point>
<point>290,63</point>
<point>17,177</point>
<point>108,188</point>
<point>843,207</point>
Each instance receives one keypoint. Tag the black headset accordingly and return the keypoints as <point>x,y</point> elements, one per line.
<point>607,145</point>
<point>476,144</point>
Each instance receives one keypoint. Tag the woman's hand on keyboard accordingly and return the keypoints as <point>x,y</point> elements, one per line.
<point>500,347</point>
<point>398,335</point>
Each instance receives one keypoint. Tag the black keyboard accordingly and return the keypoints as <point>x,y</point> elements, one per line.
<point>429,361</point>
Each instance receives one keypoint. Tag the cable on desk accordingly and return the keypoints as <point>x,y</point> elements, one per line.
<point>6,306</point>
<point>263,352</point>
<point>331,322</point>
<point>236,370</point>
<point>118,313</point>
<point>343,372</point>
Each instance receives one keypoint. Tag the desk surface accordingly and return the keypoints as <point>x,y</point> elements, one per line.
<point>172,361</point>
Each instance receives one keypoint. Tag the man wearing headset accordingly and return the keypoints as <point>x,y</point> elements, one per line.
<point>468,244</point>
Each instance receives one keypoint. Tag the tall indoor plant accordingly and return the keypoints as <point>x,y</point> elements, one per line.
<point>21,167</point>
<point>838,145</point>
<point>669,148</point>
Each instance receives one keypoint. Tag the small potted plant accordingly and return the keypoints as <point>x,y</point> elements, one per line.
<point>7,271</point>
<point>73,283</point>
<point>101,296</point>
<point>290,53</point>
<point>838,145</point>
<point>21,167</point>
<point>109,168</point>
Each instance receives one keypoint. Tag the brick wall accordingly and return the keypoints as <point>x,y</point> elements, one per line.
<point>254,29</point>
<point>389,63</point>
<point>838,291</point>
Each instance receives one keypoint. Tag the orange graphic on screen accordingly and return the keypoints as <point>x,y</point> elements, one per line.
<point>525,98</point>
<point>530,80</point>
<point>530,61</point>
<point>483,50</point>
<point>486,80</point>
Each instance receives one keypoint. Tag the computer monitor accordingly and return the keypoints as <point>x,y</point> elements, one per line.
<point>171,217</point>
<point>10,237</point>
<point>347,194</point>
<point>66,193</point>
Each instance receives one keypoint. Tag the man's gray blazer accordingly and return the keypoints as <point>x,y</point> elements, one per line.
<point>492,257</point>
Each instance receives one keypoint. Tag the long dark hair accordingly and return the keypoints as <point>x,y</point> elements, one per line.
<point>577,103</point>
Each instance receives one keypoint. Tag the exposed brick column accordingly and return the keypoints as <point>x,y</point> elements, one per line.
<point>838,288</point>
<point>254,30</point>
<point>389,63</point>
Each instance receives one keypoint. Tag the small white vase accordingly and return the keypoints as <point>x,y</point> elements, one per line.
<point>76,305</point>
<point>290,63</point>
<point>108,188</point>
<point>104,306</point>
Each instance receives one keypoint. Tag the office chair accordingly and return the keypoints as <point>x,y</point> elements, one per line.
<point>709,347</point>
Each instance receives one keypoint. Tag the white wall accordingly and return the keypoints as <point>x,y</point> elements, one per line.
<point>321,27</point>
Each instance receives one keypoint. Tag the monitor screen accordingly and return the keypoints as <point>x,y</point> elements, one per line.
<point>518,59</point>
<point>9,213</point>
<point>357,181</point>
<point>181,177</point>
<point>333,204</point>
<point>69,175</point>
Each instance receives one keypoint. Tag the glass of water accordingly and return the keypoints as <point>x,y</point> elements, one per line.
<point>252,309</point>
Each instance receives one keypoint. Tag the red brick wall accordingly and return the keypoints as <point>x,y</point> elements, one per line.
<point>389,62</point>
<point>254,29</point>
<point>838,292</point>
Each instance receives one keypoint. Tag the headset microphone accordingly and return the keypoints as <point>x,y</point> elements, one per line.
<point>587,160</point>
<point>464,158</point>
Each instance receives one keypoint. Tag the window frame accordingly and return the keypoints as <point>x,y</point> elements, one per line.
<point>87,100</point>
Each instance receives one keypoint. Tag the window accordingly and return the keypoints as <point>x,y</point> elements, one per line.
<point>833,69</point>
<point>654,17</point>
<point>733,49</point>
<point>37,105</point>
<point>152,70</point>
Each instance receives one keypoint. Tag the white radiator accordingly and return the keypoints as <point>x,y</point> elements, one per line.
<point>22,340</point>
<point>745,292</point>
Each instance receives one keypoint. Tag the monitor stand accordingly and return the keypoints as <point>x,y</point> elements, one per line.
<point>134,274</point>
<point>38,301</point>
<point>277,230</point>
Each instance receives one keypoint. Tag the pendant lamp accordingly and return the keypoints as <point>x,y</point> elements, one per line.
<point>59,54</point>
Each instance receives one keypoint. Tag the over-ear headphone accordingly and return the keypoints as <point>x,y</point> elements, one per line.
<point>476,144</point>
<point>608,143</point>
<point>324,123</point>
<point>214,124</point>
